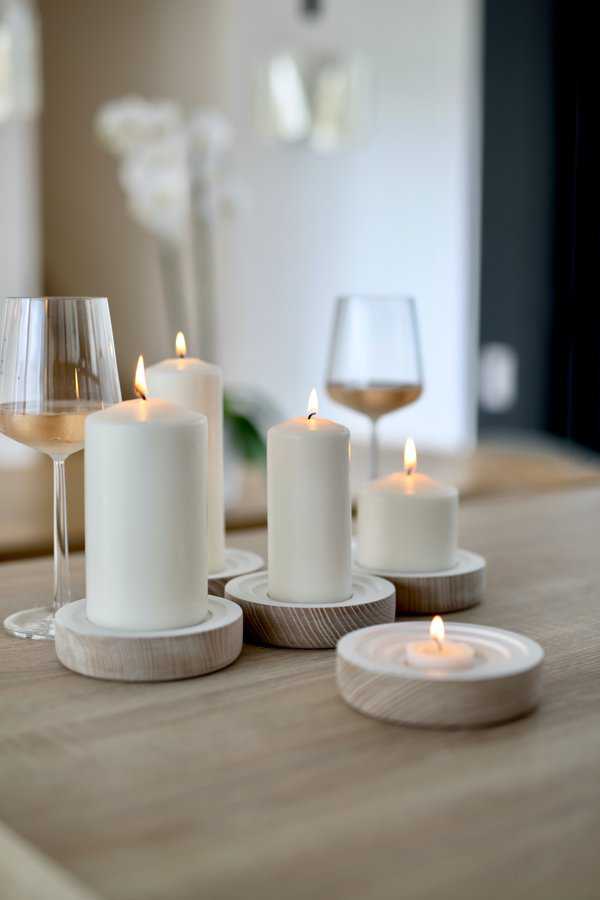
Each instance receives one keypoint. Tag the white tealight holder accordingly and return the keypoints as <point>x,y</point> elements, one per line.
<point>125,655</point>
<point>309,626</point>
<point>444,591</point>
<point>237,562</point>
<point>375,677</point>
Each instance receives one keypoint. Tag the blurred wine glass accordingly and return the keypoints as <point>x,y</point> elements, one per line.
<point>57,365</point>
<point>375,359</point>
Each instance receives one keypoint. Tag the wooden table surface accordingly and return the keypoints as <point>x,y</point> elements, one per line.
<point>258,782</point>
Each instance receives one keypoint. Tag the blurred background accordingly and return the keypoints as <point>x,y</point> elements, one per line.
<point>440,149</point>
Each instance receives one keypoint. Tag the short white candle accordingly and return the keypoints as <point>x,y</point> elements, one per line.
<point>309,511</point>
<point>198,386</point>
<point>439,653</point>
<point>407,521</point>
<point>145,515</point>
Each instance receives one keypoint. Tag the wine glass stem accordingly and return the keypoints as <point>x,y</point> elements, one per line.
<point>62,578</point>
<point>373,451</point>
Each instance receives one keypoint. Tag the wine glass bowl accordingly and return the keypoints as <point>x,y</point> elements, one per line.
<point>375,359</point>
<point>57,365</point>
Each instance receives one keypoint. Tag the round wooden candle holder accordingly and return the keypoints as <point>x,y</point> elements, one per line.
<point>431,593</point>
<point>149,655</point>
<point>237,562</point>
<point>375,678</point>
<point>309,626</point>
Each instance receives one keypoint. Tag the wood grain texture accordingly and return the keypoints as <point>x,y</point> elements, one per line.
<point>261,783</point>
<point>438,704</point>
<point>216,586</point>
<point>426,596</point>
<point>188,653</point>
<point>503,681</point>
<point>319,628</point>
<point>300,627</point>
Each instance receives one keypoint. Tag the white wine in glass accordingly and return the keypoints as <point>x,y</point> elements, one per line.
<point>57,365</point>
<point>58,431</point>
<point>375,360</point>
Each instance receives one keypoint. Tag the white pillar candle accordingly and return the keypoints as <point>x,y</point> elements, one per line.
<point>309,512</point>
<point>198,386</point>
<point>439,653</point>
<point>407,522</point>
<point>145,515</point>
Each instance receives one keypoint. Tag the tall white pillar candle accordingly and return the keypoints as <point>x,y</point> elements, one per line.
<point>407,522</point>
<point>309,512</point>
<point>198,386</point>
<point>145,516</point>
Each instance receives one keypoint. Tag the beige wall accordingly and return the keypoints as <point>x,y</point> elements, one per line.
<point>96,50</point>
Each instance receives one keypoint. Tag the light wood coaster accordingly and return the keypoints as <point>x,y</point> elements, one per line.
<point>237,562</point>
<point>375,678</point>
<point>309,626</point>
<point>149,655</point>
<point>446,591</point>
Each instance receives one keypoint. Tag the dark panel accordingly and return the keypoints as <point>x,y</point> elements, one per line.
<point>518,199</point>
<point>575,411</point>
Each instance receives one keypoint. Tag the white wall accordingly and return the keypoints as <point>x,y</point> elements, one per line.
<point>399,215</point>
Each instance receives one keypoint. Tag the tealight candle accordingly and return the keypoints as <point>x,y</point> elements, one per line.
<point>407,521</point>
<point>145,514</point>
<point>309,512</point>
<point>439,653</point>
<point>198,386</point>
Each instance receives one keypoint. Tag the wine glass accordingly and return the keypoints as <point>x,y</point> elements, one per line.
<point>57,365</point>
<point>375,359</point>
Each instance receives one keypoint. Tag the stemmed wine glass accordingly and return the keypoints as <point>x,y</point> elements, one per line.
<point>57,365</point>
<point>375,359</point>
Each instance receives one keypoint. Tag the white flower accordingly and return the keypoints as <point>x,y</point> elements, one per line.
<point>211,138</point>
<point>155,179</point>
<point>124,125</point>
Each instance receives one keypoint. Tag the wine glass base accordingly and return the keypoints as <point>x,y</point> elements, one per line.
<point>35,624</point>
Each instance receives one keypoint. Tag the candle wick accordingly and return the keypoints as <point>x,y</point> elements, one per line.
<point>140,394</point>
<point>310,415</point>
<point>181,356</point>
<point>439,644</point>
<point>410,470</point>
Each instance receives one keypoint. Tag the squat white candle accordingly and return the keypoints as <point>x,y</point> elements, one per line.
<point>439,653</point>
<point>145,514</point>
<point>309,513</point>
<point>407,521</point>
<point>198,386</point>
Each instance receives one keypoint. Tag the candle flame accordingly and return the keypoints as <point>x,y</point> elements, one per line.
<point>437,632</point>
<point>410,457</point>
<point>141,387</point>
<point>313,404</point>
<point>180,345</point>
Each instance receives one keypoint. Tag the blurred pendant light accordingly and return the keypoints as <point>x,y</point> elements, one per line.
<point>284,111</point>
<point>20,79</point>
<point>324,102</point>
<point>342,105</point>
